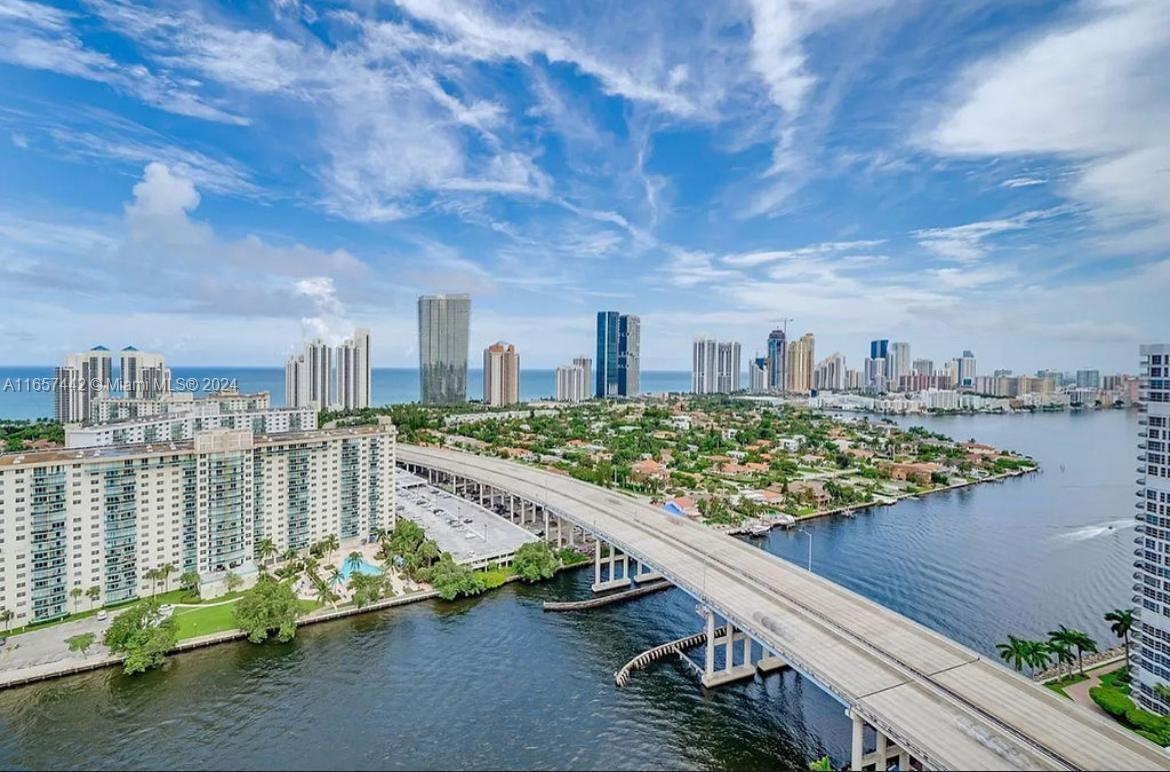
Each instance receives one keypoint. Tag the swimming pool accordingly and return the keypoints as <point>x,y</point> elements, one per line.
<point>348,568</point>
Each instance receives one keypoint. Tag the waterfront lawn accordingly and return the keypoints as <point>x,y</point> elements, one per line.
<point>495,577</point>
<point>197,621</point>
<point>1059,686</point>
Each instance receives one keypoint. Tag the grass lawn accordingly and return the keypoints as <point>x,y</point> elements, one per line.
<point>1059,686</point>
<point>496,577</point>
<point>204,621</point>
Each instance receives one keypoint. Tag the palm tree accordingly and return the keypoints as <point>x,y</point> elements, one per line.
<point>324,592</point>
<point>1061,651</point>
<point>266,550</point>
<point>1015,652</point>
<point>75,594</point>
<point>331,544</point>
<point>164,573</point>
<point>151,575</point>
<point>6,617</point>
<point>289,555</point>
<point>94,594</point>
<point>1123,621</point>
<point>1077,639</point>
<point>1037,655</point>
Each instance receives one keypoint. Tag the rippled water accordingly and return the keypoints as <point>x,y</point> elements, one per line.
<point>494,682</point>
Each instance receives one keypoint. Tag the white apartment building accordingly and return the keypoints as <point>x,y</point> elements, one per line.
<point>352,359</point>
<point>704,365</point>
<point>144,374</point>
<point>1151,662</point>
<point>103,517</point>
<point>324,377</point>
<point>200,416</point>
<point>898,362</point>
<point>573,383</point>
<point>715,366</point>
<point>110,409</point>
<point>830,373</point>
<point>727,378</point>
<point>80,382</point>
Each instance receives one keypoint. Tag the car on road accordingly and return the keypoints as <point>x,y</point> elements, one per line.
<point>467,520</point>
<point>102,616</point>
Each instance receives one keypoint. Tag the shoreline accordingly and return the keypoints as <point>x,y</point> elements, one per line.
<point>68,667</point>
<point>742,529</point>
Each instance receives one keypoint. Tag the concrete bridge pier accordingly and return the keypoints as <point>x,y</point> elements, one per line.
<point>727,638</point>
<point>644,573</point>
<point>882,755</point>
<point>614,579</point>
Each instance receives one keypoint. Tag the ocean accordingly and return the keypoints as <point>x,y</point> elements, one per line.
<point>25,392</point>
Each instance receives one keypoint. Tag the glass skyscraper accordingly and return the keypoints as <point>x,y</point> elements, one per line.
<point>879,349</point>
<point>619,348</point>
<point>778,360</point>
<point>443,326</point>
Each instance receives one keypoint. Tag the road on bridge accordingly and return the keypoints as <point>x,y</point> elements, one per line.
<point>946,704</point>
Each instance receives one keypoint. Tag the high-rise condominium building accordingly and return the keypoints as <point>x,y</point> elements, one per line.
<point>965,370</point>
<point>1152,660</point>
<point>874,374</point>
<point>80,382</point>
<point>898,362</point>
<point>923,367</point>
<point>830,374</point>
<point>144,375</point>
<point>586,365</point>
<point>758,375</point>
<point>443,327</point>
<point>727,378</point>
<point>715,366</point>
<point>801,364</point>
<point>1088,379</point>
<point>619,345</point>
<point>777,360</point>
<point>308,377</point>
<point>573,381</point>
<point>501,374</point>
<point>704,365</point>
<point>879,349</point>
<point>352,363</point>
<point>105,517</point>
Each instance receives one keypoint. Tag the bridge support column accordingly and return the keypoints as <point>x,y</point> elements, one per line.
<point>858,749</point>
<point>643,573</point>
<point>612,581</point>
<point>544,533</point>
<point>730,671</point>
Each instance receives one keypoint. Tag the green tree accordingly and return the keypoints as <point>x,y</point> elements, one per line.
<point>823,764</point>
<point>270,606</point>
<point>1122,625</point>
<point>1062,652</point>
<point>81,643</point>
<point>331,544</point>
<point>534,561</point>
<point>451,580</point>
<point>232,581</point>
<point>354,562</point>
<point>94,594</point>
<point>367,588</point>
<point>143,636</point>
<point>151,575</point>
<point>75,595</point>
<point>266,550</point>
<point>1015,652</point>
<point>1076,639</point>
<point>164,574</point>
<point>189,582</point>
<point>6,617</point>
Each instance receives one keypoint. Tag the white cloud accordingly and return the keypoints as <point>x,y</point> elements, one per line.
<point>752,259</point>
<point>1091,90</point>
<point>1022,182</point>
<point>967,243</point>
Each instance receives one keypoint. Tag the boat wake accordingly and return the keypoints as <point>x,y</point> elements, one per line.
<point>1093,531</point>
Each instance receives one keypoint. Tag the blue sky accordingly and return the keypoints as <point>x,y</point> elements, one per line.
<point>217,181</point>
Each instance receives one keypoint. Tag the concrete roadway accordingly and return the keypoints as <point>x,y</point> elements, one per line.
<point>944,703</point>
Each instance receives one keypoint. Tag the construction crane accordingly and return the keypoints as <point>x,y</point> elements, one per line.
<point>785,322</point>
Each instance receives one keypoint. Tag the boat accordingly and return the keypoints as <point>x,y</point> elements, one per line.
<point>847,513</point>
<point>761,529</point>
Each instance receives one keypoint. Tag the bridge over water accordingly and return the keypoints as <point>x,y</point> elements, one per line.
<point>924,699</point>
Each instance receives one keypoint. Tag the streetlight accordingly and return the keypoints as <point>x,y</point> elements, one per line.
<point>808,533</point>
